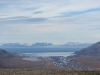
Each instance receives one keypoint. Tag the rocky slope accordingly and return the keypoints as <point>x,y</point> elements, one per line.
<point>89,56</point>
<point>93,50</point>
<point>5,54</point>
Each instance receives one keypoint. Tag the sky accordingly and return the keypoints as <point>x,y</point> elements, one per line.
<point>54,21</point>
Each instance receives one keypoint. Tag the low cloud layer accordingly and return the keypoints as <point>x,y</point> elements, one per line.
<point>21,20</point>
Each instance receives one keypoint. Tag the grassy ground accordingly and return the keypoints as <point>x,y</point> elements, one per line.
<point>34,72</point>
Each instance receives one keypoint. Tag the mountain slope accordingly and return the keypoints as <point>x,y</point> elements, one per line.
<point>89,56</point>
<point>5,54</point>
<point>93,50</point>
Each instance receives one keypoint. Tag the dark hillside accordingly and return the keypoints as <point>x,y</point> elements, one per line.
<point>89,56</point>
<point>93,50</point>
<point>5,54</point>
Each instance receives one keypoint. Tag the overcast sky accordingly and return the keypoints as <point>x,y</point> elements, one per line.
<point>55,21</point>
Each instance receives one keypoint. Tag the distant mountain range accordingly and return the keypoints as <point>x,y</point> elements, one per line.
<point>69,44</point>
<point>24,45</point>
<point>77,45</point>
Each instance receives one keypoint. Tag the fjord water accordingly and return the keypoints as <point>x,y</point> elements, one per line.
<point>34,56</point>
<point>41,49</point>
<point>34,52</point>
<point>47,54</point>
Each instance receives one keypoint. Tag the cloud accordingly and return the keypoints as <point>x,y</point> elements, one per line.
<point>81,12</point>
<point>21,20</point>
<point>50,8</point>
<point>38,12</point>
<point>30,9</point>
<point>49,20</point>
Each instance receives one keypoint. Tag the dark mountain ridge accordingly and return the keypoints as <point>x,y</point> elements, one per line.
<point>5,54</point>
<point>89,56</point>
<point>93,50</point>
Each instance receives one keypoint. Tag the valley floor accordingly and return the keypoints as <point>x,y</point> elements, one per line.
<point>41,72</point>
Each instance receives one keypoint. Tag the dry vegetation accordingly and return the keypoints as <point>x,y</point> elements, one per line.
<point>40,72</point>
<point>92,61</point>
<point>18,63</point>
<point>13,61</point>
